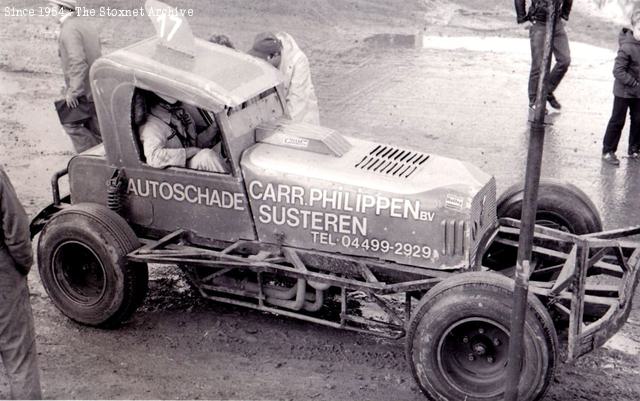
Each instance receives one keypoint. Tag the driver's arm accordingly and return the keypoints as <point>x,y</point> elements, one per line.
<point>154,143</point>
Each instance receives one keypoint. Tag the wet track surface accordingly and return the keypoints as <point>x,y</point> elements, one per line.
<point>472,105</point>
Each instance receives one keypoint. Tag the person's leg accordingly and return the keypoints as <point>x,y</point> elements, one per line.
<point>616,124</point>
<point>17,336</point>
<point>634,129</point>
<point>22,369</point>
<point>82,138</point>
<point>94,127</point>
<point>536,38</point>
<point>562,53</point>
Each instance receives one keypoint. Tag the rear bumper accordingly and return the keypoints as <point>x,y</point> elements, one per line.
<point>38,222</point>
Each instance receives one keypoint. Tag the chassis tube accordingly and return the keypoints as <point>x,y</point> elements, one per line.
<point>298,303</point>
<point>55,187</point>
<point>278,293</point>
<point>317,302</point>
<point>283,297</point>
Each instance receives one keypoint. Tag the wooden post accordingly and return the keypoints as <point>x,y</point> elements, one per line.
<point>528,218</point>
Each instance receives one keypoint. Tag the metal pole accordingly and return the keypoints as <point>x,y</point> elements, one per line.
<point>529,208</point>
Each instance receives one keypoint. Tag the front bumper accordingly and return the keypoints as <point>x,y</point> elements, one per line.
<point>591,281</point>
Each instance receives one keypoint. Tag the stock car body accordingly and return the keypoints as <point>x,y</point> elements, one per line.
<point>306,217</point>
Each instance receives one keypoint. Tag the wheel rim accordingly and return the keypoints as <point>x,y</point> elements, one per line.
<point>473,355</point>
<point>79,273</point>
<point>555,221</point>
<point>546,219</point>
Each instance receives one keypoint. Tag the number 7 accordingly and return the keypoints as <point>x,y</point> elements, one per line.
<point>178,21</point>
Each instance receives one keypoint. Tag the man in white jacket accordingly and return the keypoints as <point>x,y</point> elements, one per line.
<point>282,51</point>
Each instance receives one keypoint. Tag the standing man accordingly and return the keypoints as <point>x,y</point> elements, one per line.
<point>17,337</point>
<point>282,51</point>
<point>79,47</point>
<point>537,15</point>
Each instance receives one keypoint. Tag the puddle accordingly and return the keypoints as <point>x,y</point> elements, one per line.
<point>518,47</point>
<point>514,46</point>
<point>394,40</point>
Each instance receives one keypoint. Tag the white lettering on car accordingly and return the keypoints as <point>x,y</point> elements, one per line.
<point>312,220</point>
<point>339,200</point>
<point>339,218</point>
<point>190,193</point>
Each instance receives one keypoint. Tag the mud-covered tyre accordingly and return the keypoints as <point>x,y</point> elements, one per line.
<point>458,341</point>
<point>83,266</point>
<point>561,205</point>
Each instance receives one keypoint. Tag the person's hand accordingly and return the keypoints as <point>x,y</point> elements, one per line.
<point>209,160</point>
<point>72,101</point>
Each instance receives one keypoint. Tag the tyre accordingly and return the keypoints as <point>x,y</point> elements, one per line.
<point>83,266</point>
<point>561,206</point>
<point>458,341</point>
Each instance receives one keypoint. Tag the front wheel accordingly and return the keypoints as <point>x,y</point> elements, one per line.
<point>83,266</point>
<point>561,205</point>
<point>458,341</point>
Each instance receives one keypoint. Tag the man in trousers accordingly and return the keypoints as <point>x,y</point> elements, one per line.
<point>17,336</point>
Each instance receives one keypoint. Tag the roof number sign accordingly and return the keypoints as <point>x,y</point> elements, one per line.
<point>162,20</point>
<point>171,26</point>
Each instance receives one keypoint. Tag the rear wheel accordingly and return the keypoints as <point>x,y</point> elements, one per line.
<point>82,262</point>
<point>561,206</point>
<point>458,341</point>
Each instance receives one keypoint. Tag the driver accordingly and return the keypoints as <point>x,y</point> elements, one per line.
<point>169,138</point>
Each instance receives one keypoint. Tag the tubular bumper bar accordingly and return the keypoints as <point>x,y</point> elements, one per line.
<point>39,221</point>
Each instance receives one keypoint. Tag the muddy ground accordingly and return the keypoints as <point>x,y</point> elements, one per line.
<point>444,98</point>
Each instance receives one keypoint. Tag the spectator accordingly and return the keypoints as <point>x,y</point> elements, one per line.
<point>79,47</point>
<point>537,15</point>
<point>222,40</point>
<point>282,51</point>
<point>626,93</point>
<point>17,337</point>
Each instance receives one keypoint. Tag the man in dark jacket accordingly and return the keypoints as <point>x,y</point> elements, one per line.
<point>626,94</point>
<point>17,337</point>
<point>537,15</point>
<point>79,47</point>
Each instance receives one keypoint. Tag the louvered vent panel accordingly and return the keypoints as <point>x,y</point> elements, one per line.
<point>392,161</point>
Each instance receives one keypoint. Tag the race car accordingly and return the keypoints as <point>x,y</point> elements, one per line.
<point>306,217</point>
